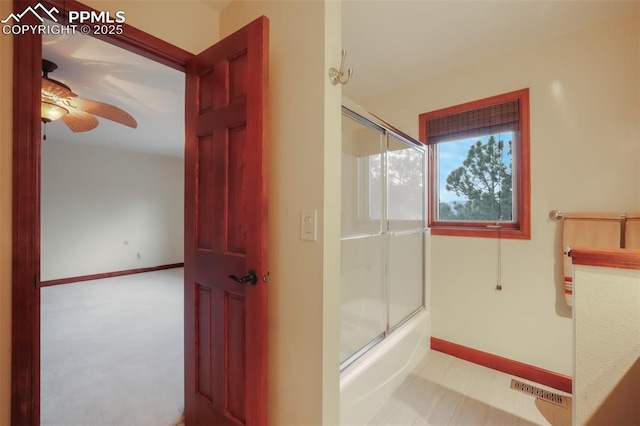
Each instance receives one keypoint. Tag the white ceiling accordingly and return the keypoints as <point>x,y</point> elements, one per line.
<point>390,43</point>
<point>152,93</point>
<point>394,43</point>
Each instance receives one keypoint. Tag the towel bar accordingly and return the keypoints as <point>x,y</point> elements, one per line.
<point>556,214</point>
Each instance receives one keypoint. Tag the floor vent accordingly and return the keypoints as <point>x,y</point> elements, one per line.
<point>540,393</point>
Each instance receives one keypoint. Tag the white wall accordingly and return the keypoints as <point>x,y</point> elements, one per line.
<point>585,156</point>
<point>101,207</point>
<point>607,333</point>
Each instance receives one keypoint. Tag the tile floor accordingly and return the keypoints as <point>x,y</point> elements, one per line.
<point>444,390</point>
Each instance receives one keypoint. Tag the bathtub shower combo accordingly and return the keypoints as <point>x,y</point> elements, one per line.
<point>384,324</point>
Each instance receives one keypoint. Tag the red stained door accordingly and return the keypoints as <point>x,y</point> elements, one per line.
<point>226,231</point>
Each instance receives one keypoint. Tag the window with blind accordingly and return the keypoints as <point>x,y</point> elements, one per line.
<point>479,167</point>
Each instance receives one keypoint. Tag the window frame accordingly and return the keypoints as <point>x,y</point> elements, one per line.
<point>521,227</point>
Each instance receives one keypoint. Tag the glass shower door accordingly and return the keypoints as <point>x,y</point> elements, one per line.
<point>406,226</point>
<point>363,306</point>
<point>383,225</point>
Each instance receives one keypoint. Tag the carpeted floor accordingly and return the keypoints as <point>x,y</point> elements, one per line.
<point>112,351</point>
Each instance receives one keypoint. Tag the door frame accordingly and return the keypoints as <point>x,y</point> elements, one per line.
<point>25,303</point>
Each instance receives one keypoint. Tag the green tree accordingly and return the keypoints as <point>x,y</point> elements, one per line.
<point>405,174</point>
<point>485,180</point>
<point>446,212</point>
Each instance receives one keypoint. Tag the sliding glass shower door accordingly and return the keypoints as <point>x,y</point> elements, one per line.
<point>405,229</point>
<point>383,224</point>
<point>363,308</point>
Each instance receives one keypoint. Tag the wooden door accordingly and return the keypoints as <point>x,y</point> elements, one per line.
<point>226,231</point>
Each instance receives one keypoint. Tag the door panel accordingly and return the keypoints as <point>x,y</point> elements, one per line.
<point>203,325</point>
<point>236,207</point>
<point>235,354</point>
<point>225,231</point>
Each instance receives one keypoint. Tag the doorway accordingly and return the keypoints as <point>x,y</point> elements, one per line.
<point>226,272</point>
<point>111,205</point>
<point>26,230</point>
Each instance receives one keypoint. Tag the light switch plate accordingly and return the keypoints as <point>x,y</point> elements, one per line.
<point>308,225</point>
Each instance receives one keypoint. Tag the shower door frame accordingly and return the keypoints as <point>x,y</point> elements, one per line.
<point>388,131</point>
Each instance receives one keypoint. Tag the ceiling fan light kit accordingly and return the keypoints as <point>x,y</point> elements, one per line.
<point>58,101</point>
<point>50,112</point>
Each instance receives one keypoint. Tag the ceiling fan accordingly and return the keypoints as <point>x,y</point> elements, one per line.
<point>58,101</point>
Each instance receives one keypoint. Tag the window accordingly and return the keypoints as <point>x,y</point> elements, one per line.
<point>479,167</point>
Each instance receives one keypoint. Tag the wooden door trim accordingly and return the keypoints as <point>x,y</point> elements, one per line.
<point>25,296</point>
<point>25,328</point>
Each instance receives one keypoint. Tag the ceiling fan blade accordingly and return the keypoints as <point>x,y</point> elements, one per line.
<point>54,90</point>
<point>103,110</point>
<point>80,121</point>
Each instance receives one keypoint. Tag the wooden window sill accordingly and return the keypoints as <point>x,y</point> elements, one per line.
<point>481,231</point>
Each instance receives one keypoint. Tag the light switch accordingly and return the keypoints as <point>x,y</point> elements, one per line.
<point>308,225</point>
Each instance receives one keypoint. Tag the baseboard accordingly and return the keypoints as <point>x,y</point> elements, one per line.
<point>58,281</point>
<point>509,366</point>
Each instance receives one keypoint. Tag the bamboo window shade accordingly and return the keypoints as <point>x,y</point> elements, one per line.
<point>493,119</point>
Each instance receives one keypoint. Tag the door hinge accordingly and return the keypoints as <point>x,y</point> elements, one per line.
<point>35,281</point>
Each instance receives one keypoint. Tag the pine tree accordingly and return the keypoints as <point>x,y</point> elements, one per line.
<point>485,180</point>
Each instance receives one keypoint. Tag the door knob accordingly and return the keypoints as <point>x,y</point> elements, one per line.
<point>250,278</point>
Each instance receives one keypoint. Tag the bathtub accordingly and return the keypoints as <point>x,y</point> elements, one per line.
<point>383,276</point>
<point>367,383</point>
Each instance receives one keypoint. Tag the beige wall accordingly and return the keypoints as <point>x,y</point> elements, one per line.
<point>607,346</point>
<point>191,27</point>
<point>585,156</point>
<point>304,174</point>
<point>189,24</point>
